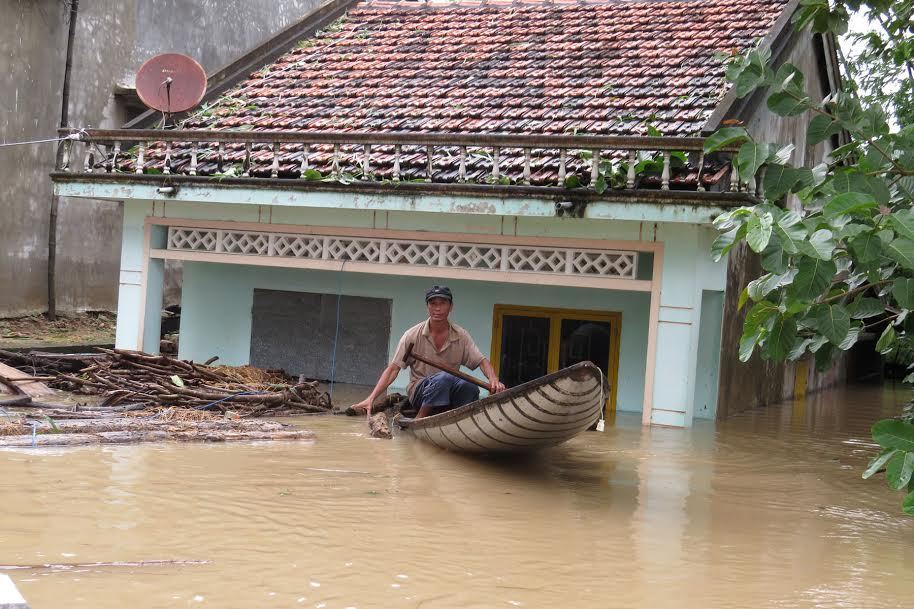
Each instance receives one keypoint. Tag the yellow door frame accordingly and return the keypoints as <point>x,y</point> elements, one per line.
<point>555,317</point>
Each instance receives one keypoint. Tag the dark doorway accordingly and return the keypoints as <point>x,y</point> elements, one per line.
<point>530,342</point>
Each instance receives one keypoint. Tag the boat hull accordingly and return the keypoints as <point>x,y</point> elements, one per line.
<point>535,415</point>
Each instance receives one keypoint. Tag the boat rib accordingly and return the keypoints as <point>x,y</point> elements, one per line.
<point>537,414</point>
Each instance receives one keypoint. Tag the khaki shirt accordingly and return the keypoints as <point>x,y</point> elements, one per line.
<point>459,350</point>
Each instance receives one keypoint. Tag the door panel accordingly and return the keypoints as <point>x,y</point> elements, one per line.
<point>529,342</point>
<point>524,349</point>
<point>296,331</point>
<point>585,340</point>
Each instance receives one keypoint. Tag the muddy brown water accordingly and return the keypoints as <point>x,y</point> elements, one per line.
<point>766,509</point>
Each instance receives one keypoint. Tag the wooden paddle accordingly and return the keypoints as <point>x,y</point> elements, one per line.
<point>444,368</point>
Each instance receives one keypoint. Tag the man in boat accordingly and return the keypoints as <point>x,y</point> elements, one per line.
<point>436,339</point>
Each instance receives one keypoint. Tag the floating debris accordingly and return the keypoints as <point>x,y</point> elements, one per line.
<point>147,381</point>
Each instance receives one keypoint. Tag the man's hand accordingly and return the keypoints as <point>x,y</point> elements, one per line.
<point>363,405</point>
<point>496,386</point>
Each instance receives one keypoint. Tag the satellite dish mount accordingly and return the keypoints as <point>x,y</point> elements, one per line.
<point>171,83</point>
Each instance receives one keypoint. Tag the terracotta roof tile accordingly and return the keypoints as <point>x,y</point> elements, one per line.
<point>525,67</point>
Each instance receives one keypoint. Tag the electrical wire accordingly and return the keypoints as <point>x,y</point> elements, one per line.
<point>72,136</point>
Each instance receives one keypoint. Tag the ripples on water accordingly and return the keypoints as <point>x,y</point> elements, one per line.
<point>766,509</point>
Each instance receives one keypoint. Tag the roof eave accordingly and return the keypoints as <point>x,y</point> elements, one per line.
<point>487,199</point>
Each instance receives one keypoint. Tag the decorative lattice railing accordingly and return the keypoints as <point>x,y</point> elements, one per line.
<point>567,162</point>
<point>447,255</point>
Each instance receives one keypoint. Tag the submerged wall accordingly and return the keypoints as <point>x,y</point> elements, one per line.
<point>217,297</point>
<point>112,40</point>
<point>758,382</point>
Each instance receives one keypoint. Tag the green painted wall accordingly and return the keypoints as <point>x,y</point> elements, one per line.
<point>217,300</point>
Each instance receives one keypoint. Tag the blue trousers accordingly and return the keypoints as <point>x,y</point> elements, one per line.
<point>442,389</point>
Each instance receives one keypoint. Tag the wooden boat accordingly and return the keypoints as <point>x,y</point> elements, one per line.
<point>537,414</point>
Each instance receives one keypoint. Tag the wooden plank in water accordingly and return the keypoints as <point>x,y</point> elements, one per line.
<point>22,381</point>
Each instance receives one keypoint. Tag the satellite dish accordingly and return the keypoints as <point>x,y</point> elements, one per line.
<point>171,82</point>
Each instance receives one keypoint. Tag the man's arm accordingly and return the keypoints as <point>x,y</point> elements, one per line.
<point>495,386</point>
<point>387,377</point>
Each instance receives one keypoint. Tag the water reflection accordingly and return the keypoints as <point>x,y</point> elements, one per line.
<point>766,509</point>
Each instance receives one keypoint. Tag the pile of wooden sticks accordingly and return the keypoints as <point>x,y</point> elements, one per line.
<point>131,377</point>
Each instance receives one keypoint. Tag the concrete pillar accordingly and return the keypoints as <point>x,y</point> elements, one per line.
<point>686,272</point>
<point>154,298</point>
<point>130,297</point>
<point>10,598</point>
<point>142,281</point>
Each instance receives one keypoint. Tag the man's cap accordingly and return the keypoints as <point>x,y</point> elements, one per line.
<point>439,291</point>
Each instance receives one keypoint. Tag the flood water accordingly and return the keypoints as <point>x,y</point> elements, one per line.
<point>766,509</point>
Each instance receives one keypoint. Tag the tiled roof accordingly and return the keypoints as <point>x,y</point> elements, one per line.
<point>499,67</point>
<point>532,68</point>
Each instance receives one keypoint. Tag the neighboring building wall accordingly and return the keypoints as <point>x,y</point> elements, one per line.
<point>113,38</point>
<point>759,382</point>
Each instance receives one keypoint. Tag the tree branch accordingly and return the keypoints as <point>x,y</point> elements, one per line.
<point>856,290</point>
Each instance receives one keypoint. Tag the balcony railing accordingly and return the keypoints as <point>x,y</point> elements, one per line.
<point>568,162</point>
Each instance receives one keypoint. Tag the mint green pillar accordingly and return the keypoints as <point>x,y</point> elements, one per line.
<point>687,271</point>
<point>129,296</point>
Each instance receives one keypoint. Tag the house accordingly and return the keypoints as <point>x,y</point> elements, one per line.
<point>543,159</point>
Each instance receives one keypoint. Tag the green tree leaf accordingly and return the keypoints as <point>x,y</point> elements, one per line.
<point>813,278</point>
<point>751,156</point>
<point>780,154</point>
<point>907,505</point>
<point>886,340</point>
<point>903,291</point>
<point>866,246</point>
<point>725,242</point>
<point>799,349</point>
<point>758,316</point>
<point>778,181</point>
<point>750,71</point>
<point>746,347</point>
<point>833,322</point>
<point>789,78</point>
<point>759,231</point>
<point>774,259</point>
<point>785,104</point>
<point>878,462</point>
<point>781,338</point>
<point>902,251</point>
<point>725,137</point>
<point>743,299</point>
<point>853,335</point>
<point>864,308</point>
<point>764,285</point>
<point>903,222</point>
<point>899,469</point>
<point>790,231</point>
<point>853,229</point>
<point>821,127</point>
<point>848,203</point>
<point>820,245</point>
<point>824,356</point>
